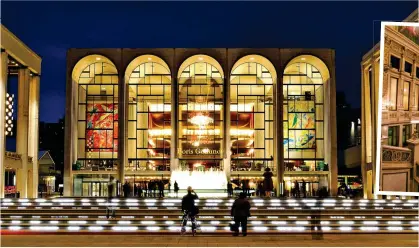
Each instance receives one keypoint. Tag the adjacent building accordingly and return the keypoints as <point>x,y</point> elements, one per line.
<point>202,117</point>
<point>17,60</point>
<point>400,113</point>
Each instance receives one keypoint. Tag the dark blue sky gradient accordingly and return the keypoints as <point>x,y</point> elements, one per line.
<point>50,28</point>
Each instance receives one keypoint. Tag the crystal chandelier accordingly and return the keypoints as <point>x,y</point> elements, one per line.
<point>201,120</point>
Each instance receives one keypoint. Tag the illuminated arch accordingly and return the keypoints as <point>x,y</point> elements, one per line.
<point>93,60</point>
<point>259,64</point>
<point>293,67</point>
<point>160,67</point>
<point>202,58</point>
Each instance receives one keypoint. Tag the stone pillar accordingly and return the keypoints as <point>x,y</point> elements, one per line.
<point>173,124</point>
<point>279,135</point>
<point>3,90</point>
<point>22,131</point>
<point>33,134</point>
<point>227,127</point>
<point>122,127</point>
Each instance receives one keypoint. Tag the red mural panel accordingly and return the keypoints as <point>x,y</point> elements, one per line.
<point>102,127</point>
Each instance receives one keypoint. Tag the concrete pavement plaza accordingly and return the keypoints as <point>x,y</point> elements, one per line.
<point>337,240</point>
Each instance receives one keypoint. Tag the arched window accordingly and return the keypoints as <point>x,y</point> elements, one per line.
<point>303,113</point>
<point>97,101</point>
<point>252,113</point>
<point>200,113</point>
<point>149,121</point>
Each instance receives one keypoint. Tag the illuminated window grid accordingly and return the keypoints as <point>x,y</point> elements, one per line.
<point>308,78</point>
<point>98,83</point>
<point>150,85</point>
<point>199,84</point>
<point>248,88</point>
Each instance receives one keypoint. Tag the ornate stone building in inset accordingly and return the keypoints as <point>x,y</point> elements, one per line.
<point>19,60</point>
<point>400,110</point>
<point>201,117</point>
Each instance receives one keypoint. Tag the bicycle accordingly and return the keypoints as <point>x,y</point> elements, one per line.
<point>187,216</point>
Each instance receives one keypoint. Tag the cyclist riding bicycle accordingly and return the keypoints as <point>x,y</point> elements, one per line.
<point>189,209</point>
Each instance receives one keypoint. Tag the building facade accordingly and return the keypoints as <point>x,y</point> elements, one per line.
<point>400,113</point>
<point>17,60</point>
<point>202,117</point>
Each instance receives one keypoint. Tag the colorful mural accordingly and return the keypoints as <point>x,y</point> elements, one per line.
<point>294,121</point>
<point>301,121</point>
<point>102,127</point>
<point>411,32</point>
<point>300,139</point>
<point>308,121</point>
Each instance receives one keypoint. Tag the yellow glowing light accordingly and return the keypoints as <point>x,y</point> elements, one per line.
<point>241,107</point>
<point>201,107</point>
<point>9,114</point>
<point>201,120</point>
<point>160,107</point>
<point>242,132</point>
<point>195,143</point>
<point>160,132</point>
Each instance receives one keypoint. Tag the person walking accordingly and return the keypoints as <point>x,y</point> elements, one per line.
<point>267,182</point>
<point>240,212</point>
<point>110,211</point>
<point>126,189</point>
<point>189,209</point>
<point>161,188</point>
<point>168,187</point>
<point>176,188</point>
<point>230,189</point>
<point>150,189</point>
<point>296,189</point>
<point>304,188</point>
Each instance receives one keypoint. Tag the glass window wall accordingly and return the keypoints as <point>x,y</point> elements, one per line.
<point>303,118</point>
<point>149,116</point>
<point>251,116</point>
<point>97,118</point>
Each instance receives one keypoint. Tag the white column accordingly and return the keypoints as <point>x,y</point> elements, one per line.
<point>3,90</point>
<point>33,134</point>
<point>22,131</point>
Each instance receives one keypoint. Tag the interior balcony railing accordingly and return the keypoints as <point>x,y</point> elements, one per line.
<point>251,165</point>
<point>394,154</point>
<point>95,165</point>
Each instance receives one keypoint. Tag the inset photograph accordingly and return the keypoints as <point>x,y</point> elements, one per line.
<point>398,110</point>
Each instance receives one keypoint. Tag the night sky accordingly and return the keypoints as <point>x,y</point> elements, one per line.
<point>50,28</point>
